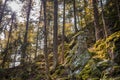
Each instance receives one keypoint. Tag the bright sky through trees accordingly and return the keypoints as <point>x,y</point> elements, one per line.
<point>17,6</point>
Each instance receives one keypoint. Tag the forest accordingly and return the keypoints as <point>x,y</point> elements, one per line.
<point>59,39</point>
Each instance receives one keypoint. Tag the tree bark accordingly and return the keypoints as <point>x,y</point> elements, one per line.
<point>45,42</point>
<point>98,30</point>
<point>75,23</point>
<point>38,31</point>
<point>25,43</point>
<point>55,34</point>
<point>103,20</point>
<point>63,33</point>
<point>2,13</point>
<point>85,5</point>
<point>7,46</point>
<point>118,8</point>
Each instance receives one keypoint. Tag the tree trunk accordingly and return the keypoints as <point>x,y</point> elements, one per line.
<point>85,6</point>
<point>103,20</point>
<point>38,32</point>
<point>37,43</point>
<point>75,23</point>
<point>2,13</point>
<point>7,46</point>
<point>63,33</point>
<point>25,43</point>
<point>79,22</point>
<point>55,34</point>
<point>98,30</point>
<point>118,8</point>
<point>45,42</point>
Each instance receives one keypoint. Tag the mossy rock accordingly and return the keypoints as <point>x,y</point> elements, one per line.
<point>102,65</point>
<point>117,51</point>
<point>18,78</point>
<point>94,78</point>
<point>104,47</point>
<point>60,72</point>
<point>77,34</point>
<point>89,71</point>
<point>39,77</point>
<point>117,78</point>
<point>81,60</point>
<point>115,71</point>
<point>72,43</point>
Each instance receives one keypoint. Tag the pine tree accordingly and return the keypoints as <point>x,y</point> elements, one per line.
<point>55,34</point>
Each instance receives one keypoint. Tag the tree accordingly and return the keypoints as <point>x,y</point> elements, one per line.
<point>45,41</point>
<point>118,8</point>
<point>85,6</point>
<point>37,39</point>
<point>103,20</point>
<point>2,13</point>
<point>63,32</point>
<point>55,34</point>
<point>98,30</point>
<point>75,23</point>
<point>8,41</point>
<point>25,43</point>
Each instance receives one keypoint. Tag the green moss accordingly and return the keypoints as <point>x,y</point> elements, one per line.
<point>89,71</point>
<point>95,79</point>
<point>72,43</point>
<point>59,73</point>
<point>113,37</point>
<point>66,49</point>
<point>117,78</point>
<point>69,58</point>
<point>39,77</point>
<point>115,71</point>
<point>96,66</point>
<point>103,47</point>
<point>102,65</point>
<point>77,34</point>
